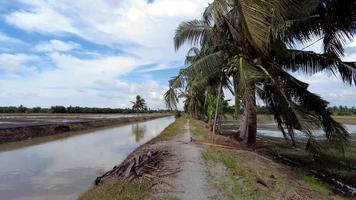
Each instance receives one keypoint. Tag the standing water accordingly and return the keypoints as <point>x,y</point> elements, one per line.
<point>351,128</point>
<point>63,169</point>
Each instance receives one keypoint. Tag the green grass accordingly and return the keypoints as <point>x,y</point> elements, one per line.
<point>197,127</point>
<point>199,130</point>
<point>116,190</point>
<point>346,119</point>
<point>317,185</point>
<point>260,118</point>
<point>241,182</point>
<point>215,155</point>
<point>265,118</point>
<point>172,130</point>
<point>333,161</point>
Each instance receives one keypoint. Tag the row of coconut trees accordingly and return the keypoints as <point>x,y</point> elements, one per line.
<point>249,48</point>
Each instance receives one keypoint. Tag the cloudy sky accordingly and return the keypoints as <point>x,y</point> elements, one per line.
<point>103,53</point>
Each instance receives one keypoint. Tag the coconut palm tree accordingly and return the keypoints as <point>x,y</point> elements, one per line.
<point>253,41</point>
<point>139,105</point>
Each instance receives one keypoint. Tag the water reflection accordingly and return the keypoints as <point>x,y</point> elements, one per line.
<point>139,131</point>
<point>65,168</point>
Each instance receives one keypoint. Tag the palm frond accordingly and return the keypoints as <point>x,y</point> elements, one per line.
<point>192,32</point>
<point>248,75</point>
<point>311,63</point>
<point>316,105</point>
<point>206,65</point>
<point>215,10</point>
<point>258,18</point>
<point>192,55</point>
<point>330,19</point>
<point>171,98</point>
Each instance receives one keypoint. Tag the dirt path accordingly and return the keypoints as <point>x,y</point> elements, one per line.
<point>191,182</point>
<point>191,172</point>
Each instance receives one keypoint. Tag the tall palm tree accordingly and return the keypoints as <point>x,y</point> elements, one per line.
<point>253,41</point>
<point>139,105</point>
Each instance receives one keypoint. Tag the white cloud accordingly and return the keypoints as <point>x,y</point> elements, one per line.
<point>56,45</point>
<point>139,28</point>
<point>16,63</point>
<point>108,66</point>
<point>150,90</point>
<point>113,23</point>
<point>41,18</point>
<point>160,67</point>
<point>75,81</point>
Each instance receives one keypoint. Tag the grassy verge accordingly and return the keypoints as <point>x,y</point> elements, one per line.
<point>239,182</point>
<point>260,118</point>
<point>317,185</point>
<point>334,163</point>
<point>248,176</point>
<point>199,130</point>
<point>172,130</point>
<point>265,118</point>
<point>116,190</point>
<point>346,119</point>
<point>243,171</point>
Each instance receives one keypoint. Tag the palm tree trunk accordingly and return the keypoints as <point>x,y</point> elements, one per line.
<point>291,134</point>
<point>217,105</point>
<point>252,121</point>
<point>249,125</point>
<point>243,127</point>
<point>237,105</point>
<point>283,131</point>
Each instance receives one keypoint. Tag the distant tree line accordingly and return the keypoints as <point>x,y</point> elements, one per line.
<point>74,109</point>
<point>336,110</point>
<point>261,110</point>
<point>343,110</point>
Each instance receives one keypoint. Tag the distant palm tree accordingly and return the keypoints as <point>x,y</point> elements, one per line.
<point>139,105</point>
<point>252,41</point>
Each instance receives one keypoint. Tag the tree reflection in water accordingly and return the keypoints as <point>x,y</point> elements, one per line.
<point>139,131</point>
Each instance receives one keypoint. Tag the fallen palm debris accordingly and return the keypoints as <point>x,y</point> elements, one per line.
<point>148,165</point>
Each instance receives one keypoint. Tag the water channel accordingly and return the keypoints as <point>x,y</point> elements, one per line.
<point>63,169</point>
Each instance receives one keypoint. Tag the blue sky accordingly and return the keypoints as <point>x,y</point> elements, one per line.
<point>105,52</point>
